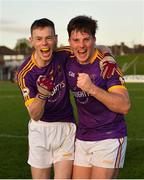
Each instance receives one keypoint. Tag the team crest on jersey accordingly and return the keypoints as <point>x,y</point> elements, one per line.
<point>25,92</point>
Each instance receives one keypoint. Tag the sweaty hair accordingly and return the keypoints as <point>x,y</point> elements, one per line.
<point>82,24</point>
<point>44,22</point>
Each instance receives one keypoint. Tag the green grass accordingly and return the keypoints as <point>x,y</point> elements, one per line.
<point>134,163</point>
<point>13,157</point>
<point>13,134</point>
<point>14,116</point>
<point>127,59</point>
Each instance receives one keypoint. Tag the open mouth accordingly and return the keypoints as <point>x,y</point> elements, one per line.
<point>82,51</point>
<point>45,50</point>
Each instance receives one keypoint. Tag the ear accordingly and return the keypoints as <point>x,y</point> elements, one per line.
<point>30,41</point>
<point>69,41</point>
<point>95,39</point>
<point>56,38</point>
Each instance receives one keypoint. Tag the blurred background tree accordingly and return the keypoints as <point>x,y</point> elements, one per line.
<point>23,46</point>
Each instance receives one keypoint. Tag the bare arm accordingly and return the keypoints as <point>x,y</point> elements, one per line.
<point>116,100</point>
<point>36,108</point>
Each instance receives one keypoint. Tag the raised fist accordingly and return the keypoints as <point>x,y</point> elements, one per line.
<point>45,85</point>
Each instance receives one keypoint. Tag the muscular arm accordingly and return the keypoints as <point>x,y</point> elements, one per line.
<point>36,108</point>
<point>116,100</point>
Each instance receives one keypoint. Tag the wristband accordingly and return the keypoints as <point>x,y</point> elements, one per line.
<point>41,96</point>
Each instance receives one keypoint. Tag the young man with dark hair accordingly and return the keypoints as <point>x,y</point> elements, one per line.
<point>101,136</point>
<point>42,81</point>
<point>44,87</point>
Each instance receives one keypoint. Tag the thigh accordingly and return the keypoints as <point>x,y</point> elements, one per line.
<point>104,173</point>
<point>40,173</point>
<point>108,157</point>
<point>82,162</point>
<point>63,169</point>
<point>64,154</point>
<point>81,172</point>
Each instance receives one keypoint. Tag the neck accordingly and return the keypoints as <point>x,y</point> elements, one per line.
<point>40,62</point>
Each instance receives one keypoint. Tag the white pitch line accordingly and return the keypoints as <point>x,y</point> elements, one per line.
<point>10,96</point>
<point>19,136</point>
<point>135,89</point>
<point>11,136</point>
<point>139,97</point>
<point>135,139</point>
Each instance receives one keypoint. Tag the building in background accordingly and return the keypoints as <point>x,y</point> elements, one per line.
<point>10,60</point>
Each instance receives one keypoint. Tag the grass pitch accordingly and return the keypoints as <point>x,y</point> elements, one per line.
<point>13,134</point>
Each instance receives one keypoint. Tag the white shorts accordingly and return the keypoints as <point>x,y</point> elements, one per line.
<point>50,143</point>
<point>108,153</point>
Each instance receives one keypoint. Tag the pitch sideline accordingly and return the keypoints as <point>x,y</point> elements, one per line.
<point>24,137</point>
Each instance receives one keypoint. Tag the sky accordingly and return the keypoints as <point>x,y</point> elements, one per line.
<point>118,20</point>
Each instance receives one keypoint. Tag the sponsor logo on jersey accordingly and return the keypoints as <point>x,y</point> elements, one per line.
<point>57,92</point>
<point>81,96</point>
<point>58,87</point>
<point>71,74</point>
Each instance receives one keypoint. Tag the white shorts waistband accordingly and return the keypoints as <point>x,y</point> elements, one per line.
<point>43,123</point>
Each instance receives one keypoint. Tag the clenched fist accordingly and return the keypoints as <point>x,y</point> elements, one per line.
<point>84,82</point>
<point>44,85</point>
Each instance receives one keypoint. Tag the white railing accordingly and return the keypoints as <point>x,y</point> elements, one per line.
<point>134,78</point>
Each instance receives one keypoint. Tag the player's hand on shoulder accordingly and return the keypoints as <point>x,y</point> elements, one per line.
<point>108,67</point>
<point>104,49</point>
<point>108,63</point>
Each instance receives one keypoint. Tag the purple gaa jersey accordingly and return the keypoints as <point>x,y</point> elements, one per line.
<point>95,120</point>
<point>58,107</point>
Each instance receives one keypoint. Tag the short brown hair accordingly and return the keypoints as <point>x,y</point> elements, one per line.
<point>82,23</point>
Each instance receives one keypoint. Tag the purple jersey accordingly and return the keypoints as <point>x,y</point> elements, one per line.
<point>95,120</point>
<point>58,107</point>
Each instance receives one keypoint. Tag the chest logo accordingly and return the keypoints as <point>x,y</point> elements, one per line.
<point>71,74</point>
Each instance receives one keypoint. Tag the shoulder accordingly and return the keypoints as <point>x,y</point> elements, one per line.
<point>65,50</point>
<point>25,68</point>
<point>25,63</point>
<point>63,54</point>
